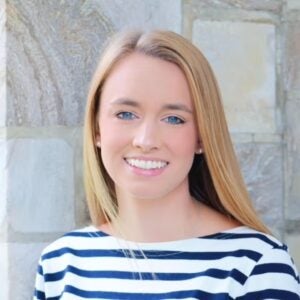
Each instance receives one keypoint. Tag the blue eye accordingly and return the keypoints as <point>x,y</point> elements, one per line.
<point>174,120</point>
<point>126,115</point>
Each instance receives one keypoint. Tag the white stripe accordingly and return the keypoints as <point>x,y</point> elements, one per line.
<point>207,284</point>
<point>147,265</point>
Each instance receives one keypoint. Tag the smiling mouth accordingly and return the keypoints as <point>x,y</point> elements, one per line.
<point>146,164</point>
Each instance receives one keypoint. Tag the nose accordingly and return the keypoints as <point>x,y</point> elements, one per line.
<point>146,137</point>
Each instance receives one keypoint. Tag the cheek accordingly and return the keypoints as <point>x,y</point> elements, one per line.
<point>113,142</point>
<point>184,143</point>
<point>186,146</point>
<point>111,154</point>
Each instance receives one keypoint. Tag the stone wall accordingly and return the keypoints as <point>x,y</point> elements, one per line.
<point>48,52</point>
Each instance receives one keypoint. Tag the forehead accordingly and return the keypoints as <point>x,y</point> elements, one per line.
<point>145,78</point>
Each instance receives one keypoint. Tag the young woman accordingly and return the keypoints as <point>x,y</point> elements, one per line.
<point>171,215</point>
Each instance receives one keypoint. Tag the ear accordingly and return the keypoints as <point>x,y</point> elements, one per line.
<point>98,140</point>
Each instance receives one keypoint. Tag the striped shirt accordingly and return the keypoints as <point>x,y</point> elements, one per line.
<point>240,263</point>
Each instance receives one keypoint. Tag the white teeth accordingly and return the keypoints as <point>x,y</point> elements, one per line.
<point>146,164</point>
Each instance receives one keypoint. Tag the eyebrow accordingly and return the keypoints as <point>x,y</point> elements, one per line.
<point>168,106</point>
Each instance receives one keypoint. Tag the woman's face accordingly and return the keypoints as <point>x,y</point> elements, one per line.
<point>147,136</point>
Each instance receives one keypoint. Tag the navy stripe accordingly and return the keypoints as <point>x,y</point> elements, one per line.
<point>270,294</point>
<point>40,270</point>
<point>232,236</point>
<point>170,255</point>
<point>124,296</point>
<point>39,294</point>
<point>88,234</point>
<point>215,273</point>
<point>274,268</point>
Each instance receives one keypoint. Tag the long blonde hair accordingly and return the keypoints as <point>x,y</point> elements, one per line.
<point>215,177</point>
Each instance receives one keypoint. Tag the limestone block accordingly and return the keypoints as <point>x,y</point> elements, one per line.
<point>262,169</point>
<point>2,64</point>
<point>238,138</point>
<point>293,159</point>
<point>292,54</point>
<point>267,138</point>
<point>142,15</point>
<point>268,5</point>
<point>52,46</point>
<point>3,184</point>
<point>293,201</point>
<point>293,4</point>
<point>40,185</point>
<point>243,57</point>
<point>292,109</point>
<point>256,137</point>
<point>53,49</point>
<point>23,261</point>
<point>4,271</point>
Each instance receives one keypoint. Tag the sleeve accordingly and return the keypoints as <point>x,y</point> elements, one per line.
<point>39,290</point>
<point>273,277</point>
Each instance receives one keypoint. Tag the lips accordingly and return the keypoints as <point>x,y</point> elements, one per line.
<point>146,164</point>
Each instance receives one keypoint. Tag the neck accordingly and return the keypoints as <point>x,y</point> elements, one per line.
<point>163,219</point>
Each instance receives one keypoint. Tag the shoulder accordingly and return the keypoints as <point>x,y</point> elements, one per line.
<point>275,257</point>
<point>76,240</point>
<point>273,275</point>
<point>267,247</point>
<point>65,255</point>
<point>245,238</point>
